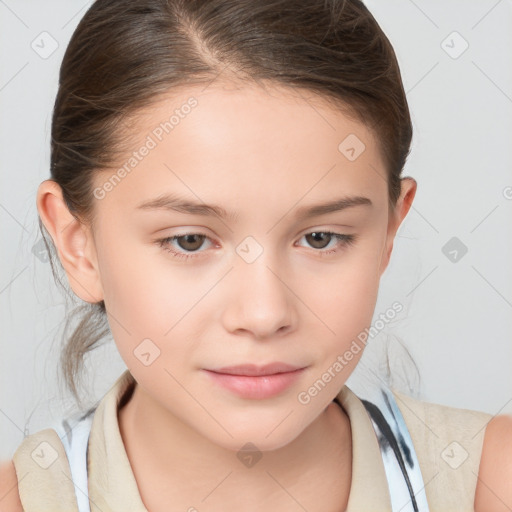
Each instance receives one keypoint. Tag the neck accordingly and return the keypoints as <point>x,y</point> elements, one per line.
<point>172,463</point>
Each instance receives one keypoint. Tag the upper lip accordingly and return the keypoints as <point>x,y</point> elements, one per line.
<point>254,370</point>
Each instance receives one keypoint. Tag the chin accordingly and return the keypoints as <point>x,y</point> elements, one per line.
<point>254,442</point>
<point>272,434</point>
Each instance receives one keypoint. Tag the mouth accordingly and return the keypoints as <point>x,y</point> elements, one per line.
<point>256,382</point>
<point>253,370</point>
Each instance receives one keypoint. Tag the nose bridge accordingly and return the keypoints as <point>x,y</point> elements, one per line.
<point>261,302</point>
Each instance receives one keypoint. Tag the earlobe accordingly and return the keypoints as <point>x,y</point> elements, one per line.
<point>73,241</point>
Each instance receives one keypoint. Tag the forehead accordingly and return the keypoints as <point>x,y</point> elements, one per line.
<point>275,142</point>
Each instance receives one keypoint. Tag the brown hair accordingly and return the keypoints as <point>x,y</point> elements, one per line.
<point>124,55</point>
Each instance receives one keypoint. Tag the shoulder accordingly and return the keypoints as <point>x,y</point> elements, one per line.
<point>486,439</point>
<point>436,423</point>
<point>42,474</point>
<point>9,495</point>
<point>494,490</point>
<point>443,418</point>
<point>448,442</point>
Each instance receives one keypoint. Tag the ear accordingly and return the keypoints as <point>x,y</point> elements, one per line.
<point>403,204</point>
<point>73,240</point>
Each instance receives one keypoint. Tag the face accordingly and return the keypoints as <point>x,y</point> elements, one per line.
<point>255,277</point>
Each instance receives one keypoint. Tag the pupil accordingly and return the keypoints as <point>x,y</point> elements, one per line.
<point>189,239</point>
<point>317,237</point>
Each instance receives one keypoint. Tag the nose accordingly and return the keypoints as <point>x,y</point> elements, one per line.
<point>260,301</point>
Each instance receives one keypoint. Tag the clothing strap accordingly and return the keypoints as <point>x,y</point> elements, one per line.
<point>405,481</point>
<point>74,434</point>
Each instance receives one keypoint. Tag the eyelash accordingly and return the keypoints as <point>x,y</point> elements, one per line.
<point>343,240</point>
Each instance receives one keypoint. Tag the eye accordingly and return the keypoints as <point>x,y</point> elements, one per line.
<point>322,239</point>
<point>188,242</point>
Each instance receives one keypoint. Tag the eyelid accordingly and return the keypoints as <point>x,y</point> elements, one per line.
<point>327,228</point>
<point>189,233</point>
<point>200,231</point>
<point>343,240</point>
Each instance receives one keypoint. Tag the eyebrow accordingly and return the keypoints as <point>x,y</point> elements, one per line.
<point>182,205</point>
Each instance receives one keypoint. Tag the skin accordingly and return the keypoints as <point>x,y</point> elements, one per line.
<point>290,304</point>
<point>262,153</point>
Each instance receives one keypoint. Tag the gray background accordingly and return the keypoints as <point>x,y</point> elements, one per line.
<point>457,320</point>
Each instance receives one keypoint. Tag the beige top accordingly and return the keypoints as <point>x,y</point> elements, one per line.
<point>448,443</point>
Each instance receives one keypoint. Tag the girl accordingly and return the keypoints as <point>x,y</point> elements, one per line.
<point>225,192</point>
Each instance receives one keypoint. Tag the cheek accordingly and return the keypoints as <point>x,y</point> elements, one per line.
<point>346,307</point>
<point>347,311</point>
<point>350,288</point>
<point>347,303</point>
<point>356,291</point>
<point>146,301</point>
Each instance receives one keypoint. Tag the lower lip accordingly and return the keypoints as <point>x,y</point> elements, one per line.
<point>263,386</point>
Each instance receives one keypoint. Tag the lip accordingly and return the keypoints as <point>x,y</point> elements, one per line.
<point>256,382</point>
<point>255,370</point>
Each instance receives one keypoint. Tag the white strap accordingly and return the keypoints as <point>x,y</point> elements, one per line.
<point>74,434</point>
<point>406,486</point>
